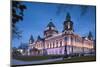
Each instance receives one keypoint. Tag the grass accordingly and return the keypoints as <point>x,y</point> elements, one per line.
<point>65,60</point>
<point>76,59</point>
<point>33,58</point>
<point>72,59</point>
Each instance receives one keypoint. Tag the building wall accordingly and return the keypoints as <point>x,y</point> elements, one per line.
<point>56,51</point>
<point>55,45</point>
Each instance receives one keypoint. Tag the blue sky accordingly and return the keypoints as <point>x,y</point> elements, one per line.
<point>38,15</point>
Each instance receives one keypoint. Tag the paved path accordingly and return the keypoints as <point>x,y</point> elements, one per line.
<point>18,62</point>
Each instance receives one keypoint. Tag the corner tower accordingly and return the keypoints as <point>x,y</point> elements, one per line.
<point>90,36</point>
<point>68,24</point>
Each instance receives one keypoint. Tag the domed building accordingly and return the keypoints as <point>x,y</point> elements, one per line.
<point>66,42</point>
<point>50,30</point>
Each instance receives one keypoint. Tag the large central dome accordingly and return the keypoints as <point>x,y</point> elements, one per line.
<point>50,30</point>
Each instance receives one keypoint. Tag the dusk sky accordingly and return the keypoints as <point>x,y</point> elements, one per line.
<point>38,15</point>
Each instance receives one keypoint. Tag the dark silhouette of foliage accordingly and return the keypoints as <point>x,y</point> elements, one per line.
<point>17,15</point>
<point>23,46</point>
<point>15,52</point>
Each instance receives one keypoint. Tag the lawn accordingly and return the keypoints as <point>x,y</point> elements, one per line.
<point>34,58</point>
<point>72,59</point>
<point>77,59</point>
<point>65,60</point>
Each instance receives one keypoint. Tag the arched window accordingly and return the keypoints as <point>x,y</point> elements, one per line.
<point>50,45</point>
<point>60,43</point>
<point>56,43</point>
<point>39,45</point>
<point>53,44</point>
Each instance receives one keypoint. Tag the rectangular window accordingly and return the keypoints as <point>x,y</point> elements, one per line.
<point>65,38</point>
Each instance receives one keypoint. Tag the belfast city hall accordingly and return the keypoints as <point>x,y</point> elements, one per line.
<point>61,43</point>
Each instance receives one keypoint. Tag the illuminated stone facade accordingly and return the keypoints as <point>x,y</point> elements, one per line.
<point>64,43</point>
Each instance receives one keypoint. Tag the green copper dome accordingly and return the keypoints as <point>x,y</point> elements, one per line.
<point>50,24</point>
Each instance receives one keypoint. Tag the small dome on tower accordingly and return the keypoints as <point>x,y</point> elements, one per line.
<point>50,26</point>
<point>68,17</point>
<point>90,36</point>
<point>31,40</point>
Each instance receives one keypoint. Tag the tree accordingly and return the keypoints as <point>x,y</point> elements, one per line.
<point>15,52</point>
<point>17,15</point>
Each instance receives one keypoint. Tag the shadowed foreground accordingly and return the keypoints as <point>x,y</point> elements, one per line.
<point>49,60</point>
